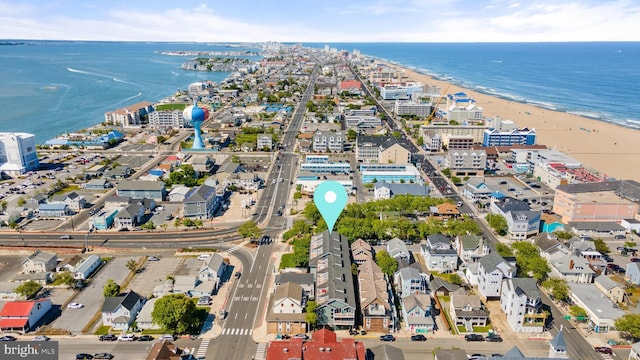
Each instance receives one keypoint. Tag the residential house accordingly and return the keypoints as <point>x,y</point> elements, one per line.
<point>213,269</point>
<point>471,247</point>
<point>611,289</point>
<point>361,251</point>
<point>97,184</point>
<point>287,310</point>
<point>417,313</point>
<point>601,312</point>
<point>265,141</point>
<point>329,261</point>
<point>632,274</point>
<point>476,189</point>
<point>120,311</point>
<point>34,201</point>
<point>22,316</point>
<point>398,249</point>
<point>521,221</point>
<point>142,189</point>
<point>467,310</point>
<point>375,297</point>
<point>572,268</point>
<point>328,141</point>
<point>54,210</point>
<point>409,280</point>
<point>40,261</point>
<point>8,291</point>
<point>444,211</point>
<point>165,350</point>
<point>69,264</point>
<point>438,254</point>
<point>85,269</point>
<point>521,302</point>
<point>306,281</point>
<point>244,181</point>
<point>144,320</point>
<point>119,172</point>
<point>385,190</point>
<point>72,199</point>
<point>178,194</point>
<point>42,278</point>
<point>190,285</point>
<point>129,217</point>
<point>492,268</point>
<point>549,246</point>
<point>322,345</point>
<point>201,203</point>
<point>202,164</point>
<point>441,287</point>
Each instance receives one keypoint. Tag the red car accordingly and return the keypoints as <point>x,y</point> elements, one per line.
<point>634,259</point>
<point>603,350</point>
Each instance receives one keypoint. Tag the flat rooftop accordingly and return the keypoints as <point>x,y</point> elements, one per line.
<point>601,197</point>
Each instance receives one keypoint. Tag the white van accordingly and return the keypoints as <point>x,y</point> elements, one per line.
<point>203,257</point>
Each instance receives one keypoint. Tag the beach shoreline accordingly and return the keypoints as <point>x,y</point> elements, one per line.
<point>605,147</point>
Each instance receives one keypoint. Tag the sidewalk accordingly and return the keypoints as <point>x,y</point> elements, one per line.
<point>260,332</point>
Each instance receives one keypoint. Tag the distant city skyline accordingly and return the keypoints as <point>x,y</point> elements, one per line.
<point>323,21</point>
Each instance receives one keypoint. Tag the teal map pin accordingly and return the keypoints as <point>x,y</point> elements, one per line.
<point>330,198</point>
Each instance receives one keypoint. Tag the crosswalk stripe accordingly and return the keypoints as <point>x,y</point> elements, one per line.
<point>202,349</point>
<point>260,351</point>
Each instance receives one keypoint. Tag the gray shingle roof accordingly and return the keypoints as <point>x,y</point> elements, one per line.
<point>491,261</point>
<point>300,279</point>
<point>527,286</point>
<point>128,301</point>
<point>200,194</point>
<point>511,204</point>
<point>130,185</point>
<point>558,342</point>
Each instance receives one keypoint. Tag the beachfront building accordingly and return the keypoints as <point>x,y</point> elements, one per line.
<point>466,162</point>
<point>130,116</point>
<point>495,137</point>
<point>609,201</point>
<point>410,107</point>
<point>320,164</point>
<point>462,108</point>
<point>400,91</point>
<point>432,141</point>
<point>18,153</point>
<point>167,119</point>
<point>391,173</point>
<point>361,122</point>
<point>476,131</point>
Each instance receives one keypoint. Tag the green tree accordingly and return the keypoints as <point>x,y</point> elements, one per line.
<point>504,250</point>
<point>149,225</point>
<point>455,279</point>
<point>174,312</point>
<point>420,141</point>
<point>64,278</point>
<point>21,201</point>
<point>601,246</point>
<point>577,311</point>
<point>529,261</point>
<point>312,213</point>
<point>388,264</point>
<point>28,288</point>
<point>558,288</point>
<point>250,230</point>
<point>629,325</point>
<point>111,289</point>
<point>564,235</point>
<point>4,205</point>
<point>132,264</point>
<point>630,244</point>
<point>351,134</point>
<point>311,317</point>
<point>446,172</point>
<point>498,223</point>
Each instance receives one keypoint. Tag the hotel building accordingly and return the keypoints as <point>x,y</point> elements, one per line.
<point>18,153</point>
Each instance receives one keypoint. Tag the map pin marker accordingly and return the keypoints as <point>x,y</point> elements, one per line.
<point>330,198</point>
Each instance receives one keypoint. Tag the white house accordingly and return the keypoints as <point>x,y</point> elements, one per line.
<point>491,270</point>
<point>213,269</point>
<point>397,249</point>
<point>416,311</point>
<point>39,261</point>
<point>120,312</point>
<point>572,268</point>
<point>467,310</point>
<point>144,320</point>
<point>470,248</point>
<point>408,280</point>
<point>87,267</point>
<point>520,301</point>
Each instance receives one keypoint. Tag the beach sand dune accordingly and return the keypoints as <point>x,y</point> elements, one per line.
<point>604,147</point>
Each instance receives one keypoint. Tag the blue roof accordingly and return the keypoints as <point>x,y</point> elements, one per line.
<point>497,195</point>
<point>52,206</point>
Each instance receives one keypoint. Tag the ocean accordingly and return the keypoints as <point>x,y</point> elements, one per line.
<point>52,87</point>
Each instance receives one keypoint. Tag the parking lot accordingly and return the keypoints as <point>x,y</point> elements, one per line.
<point>154,273</point>
<point>91,297</point>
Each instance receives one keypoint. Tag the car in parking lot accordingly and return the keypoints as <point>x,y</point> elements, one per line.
<point>387,337</point>
<point>494,338</point>
<point>634,259</point>
<point>203,257</point>
<point>127,337</point>
<point>204,301</point>
<point>145,338</point>
<point>75,306</point>
<point>108,337</point>
<point>473,337</point>
<point>301,336</point>
<point>603,350</point>
<point>153,258</point>
<point>103,356</point>
<point>418,337</point>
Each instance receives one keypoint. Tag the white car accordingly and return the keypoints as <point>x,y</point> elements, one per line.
<point>75,306</point>
<point>41,338</point>
<point>203,257</point>
<point>166,337</point>
<point>126,337</point>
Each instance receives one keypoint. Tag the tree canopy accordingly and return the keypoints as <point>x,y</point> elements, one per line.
<point>174,312</point>
<point>185,174</point>
<point>111,289</point>
<point>629,325</point>
<point>311,317</point>
<point>250,230</point>
<point>529,261</point>
<point>388,264</point>
<point>28,288</point>
<point>498,223</point>
<point>558,288</point>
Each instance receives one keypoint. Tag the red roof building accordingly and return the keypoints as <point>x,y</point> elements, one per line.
<point>20,316</point>
<point>322,346</point>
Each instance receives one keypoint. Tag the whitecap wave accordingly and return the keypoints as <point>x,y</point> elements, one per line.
<point>590,115</point>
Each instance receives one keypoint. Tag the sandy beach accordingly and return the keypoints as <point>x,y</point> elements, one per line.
<point>607,148</point>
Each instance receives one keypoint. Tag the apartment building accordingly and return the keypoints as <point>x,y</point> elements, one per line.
<point>167,119</point>
<point>521,302</point>
<point>466,162</point>
<point>492,268</point>
<point>130,116</point>
<point>495,137</point>
<point>375,297</point>
<point>409,107</point>
<point>18,153</point>
<point>328,141</point>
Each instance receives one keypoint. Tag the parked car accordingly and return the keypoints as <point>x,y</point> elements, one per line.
<point>127,337</point>
<point>203,257</point>
<point>619,237</point>
<point>301,336</point>
<point>387,337</point>
<point>41,338</point>
<point>108,337</point>
<point>494,338</point>
<point>203,301</point>
<point>145,338</point>
<point>166,337</point>
<point>75,306</point>
<point>103,356</point>
<point>634,259</point>
<point>153,258</point>
<point>8,338</point>
<point>603,350</point>
<point>238,274</point>
<point>418,337</point>
<point>473,337</point>
<point>83,356</point>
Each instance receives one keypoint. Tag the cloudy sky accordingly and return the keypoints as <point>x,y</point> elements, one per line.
<point>322,20</point>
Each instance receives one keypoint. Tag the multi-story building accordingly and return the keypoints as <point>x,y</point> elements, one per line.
<point>201,202</point>
<point>286,310</point>
<point>361,251</point>
<point>492,268</point>
<point>476,131</point>
<point>417,313</point>
<point>264,141</point>
<point>495,137</point>
<point>167,119</point>
<point>40,261</point>
<point>391,173</point>
<point>462,108</point>
<point>467,310</point>
<point>600,201</point>
<point>18,153</point>
<point>521,221</point>
<point>466,162</point>
<point>457,142</point>
<point>362,122</point>
<point>572,268</point>
<point>381,149</point>
<point>412,108</point>
<point>470,248</point>
<point>328,141</point>
<point>375,297</point>
<point>400,91</point>
<point>432,141</point>
<point>385,190</point>
<point>521,302</point>
<point>142,189</point>
<point>329,261</point>
<point>131,116</point>
<point>408,281</point>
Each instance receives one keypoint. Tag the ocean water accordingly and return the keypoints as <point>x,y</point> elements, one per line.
<point>599,80</point>
<point>53,87</point>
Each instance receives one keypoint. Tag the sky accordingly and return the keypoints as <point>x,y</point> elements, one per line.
<point>322,20</point>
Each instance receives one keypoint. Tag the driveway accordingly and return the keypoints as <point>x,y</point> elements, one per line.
<point>155,273</point>
<point>91,297</point>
